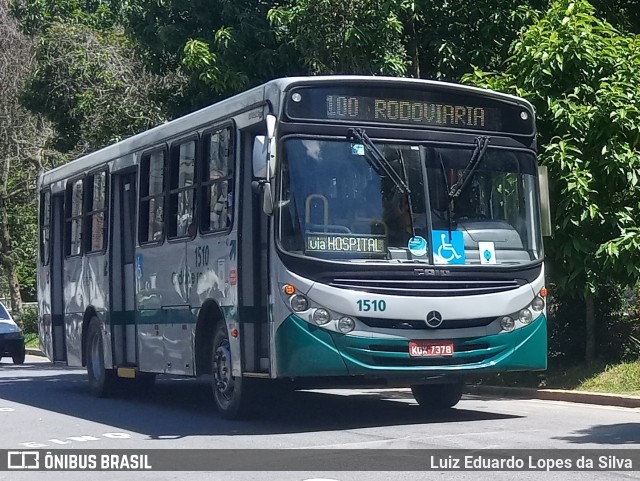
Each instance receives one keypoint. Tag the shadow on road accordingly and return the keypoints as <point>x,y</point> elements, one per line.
<point>178,407</point>
<point>627,433</point>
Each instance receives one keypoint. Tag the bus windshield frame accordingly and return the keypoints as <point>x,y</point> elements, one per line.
<point>334,206</point>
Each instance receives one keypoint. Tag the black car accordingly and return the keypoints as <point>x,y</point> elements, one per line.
<point>11,337</point>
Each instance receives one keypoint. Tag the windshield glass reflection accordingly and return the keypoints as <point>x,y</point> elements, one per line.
<point>333,204</point>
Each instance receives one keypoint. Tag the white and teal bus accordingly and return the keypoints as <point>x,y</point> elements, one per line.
<point>332,231</point>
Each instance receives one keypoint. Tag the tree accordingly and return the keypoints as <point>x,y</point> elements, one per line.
<point>22,141</point>
<point>220,46</point>
<point>336,37</point>
<point>92,86</point>
<point>583,77</point>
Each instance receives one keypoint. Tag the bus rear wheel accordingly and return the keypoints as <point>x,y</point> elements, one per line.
<point>101,380</point>
<point>438,396</point>
<point>230,393</point>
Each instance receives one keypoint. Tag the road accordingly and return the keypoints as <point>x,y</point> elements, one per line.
<point>48,407</point>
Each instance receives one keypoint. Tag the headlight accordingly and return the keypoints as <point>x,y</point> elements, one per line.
<point>537,304</point>
<point>321,317</point>
<point>525,316</point>
<point>507,323</point>
<point>299,303</point>
<point>346,325</point>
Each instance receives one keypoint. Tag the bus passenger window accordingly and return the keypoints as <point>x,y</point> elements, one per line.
<point>74,218</point>
<point>217,181</point>
<point>182,189</point>
<point>45,227</point>
<point>96,212</point>
<point>151,227</point>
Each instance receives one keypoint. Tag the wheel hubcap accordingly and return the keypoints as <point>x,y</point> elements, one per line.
<point>222,369</point>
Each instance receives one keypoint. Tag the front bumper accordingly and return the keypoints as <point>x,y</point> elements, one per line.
<point>11,343</point>
<point>306,350</point>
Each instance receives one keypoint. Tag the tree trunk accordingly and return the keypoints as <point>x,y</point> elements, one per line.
<point>7,260</point>
<point>415,47</point>
<point>590,329</point>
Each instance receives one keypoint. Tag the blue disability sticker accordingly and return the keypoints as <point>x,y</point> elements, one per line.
<point>448,247</point>
<point>418,245</point>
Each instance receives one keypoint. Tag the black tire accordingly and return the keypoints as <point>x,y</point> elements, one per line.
<point>231,394</point>
<point>102,381</point>
<point>18,357</point>
<point>438,396</point>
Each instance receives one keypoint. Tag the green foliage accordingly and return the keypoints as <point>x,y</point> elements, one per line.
<point>92,86</point>
<point>30,320</point>
<point>337,37</point>
<point>445,38</point>
<point>36,16</point>
<point>583,76</point>
<point>219,46</point>
<point>616,325</point>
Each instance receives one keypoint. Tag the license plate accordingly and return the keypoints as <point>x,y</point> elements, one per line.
<point>430,348</point>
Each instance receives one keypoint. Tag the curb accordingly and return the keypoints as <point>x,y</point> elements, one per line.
<point>34,352</point>
<point>602,399</point>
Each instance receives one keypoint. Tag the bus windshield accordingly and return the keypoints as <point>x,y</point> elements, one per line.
<point>334,204</point>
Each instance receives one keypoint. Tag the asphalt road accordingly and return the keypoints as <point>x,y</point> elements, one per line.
<point>48,407</point>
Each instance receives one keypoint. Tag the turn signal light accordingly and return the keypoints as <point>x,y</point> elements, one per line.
<point>289,289</point>
<point>544,292</point>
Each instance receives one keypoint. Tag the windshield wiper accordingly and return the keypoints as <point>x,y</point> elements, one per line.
<point>383,167</point>
<point>474,162</point>
<point>377,160</point>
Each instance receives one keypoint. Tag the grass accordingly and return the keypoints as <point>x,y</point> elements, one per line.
<point>31,340</point>
<point>621,378</point>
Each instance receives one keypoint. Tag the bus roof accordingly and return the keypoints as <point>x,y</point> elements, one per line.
<point>236,104</point>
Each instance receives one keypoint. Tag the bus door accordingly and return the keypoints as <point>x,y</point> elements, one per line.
<point>122,284</point>
<point>57,333</point>
<point>253,269</point>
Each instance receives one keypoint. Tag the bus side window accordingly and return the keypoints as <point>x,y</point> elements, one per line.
<point>182,189</point>
<point>151,228</point>
<point>73,202</point>
<point>45,227</point>
<point>217,181</point>
<point>96,199</point>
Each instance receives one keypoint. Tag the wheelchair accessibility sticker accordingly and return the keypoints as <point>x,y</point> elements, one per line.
<point>448,250</point>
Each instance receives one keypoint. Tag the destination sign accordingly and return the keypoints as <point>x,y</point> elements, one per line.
<point>428,108</point>
<point>345,244</point>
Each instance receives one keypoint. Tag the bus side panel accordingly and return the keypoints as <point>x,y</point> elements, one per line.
<point>212,263</point>
<point>74,305</point>
<point>166,325</point>
<point>95,294</point>
<point>44,310</point>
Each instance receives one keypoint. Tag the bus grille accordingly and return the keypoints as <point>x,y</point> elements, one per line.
<point>420,324</point>
<point>427,288</point>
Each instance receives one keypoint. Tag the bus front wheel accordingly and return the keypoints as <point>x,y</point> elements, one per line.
<point>101,379</point>
<point>438,396</point>
<point>230,393</point>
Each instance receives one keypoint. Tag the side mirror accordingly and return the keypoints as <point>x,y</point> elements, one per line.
<point>260,157</point>
<point>545,203</point>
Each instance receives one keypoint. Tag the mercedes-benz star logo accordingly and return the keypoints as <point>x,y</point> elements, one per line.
<point>434,319</point>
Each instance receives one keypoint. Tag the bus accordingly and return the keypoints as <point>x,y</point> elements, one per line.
<point>313,231</point>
